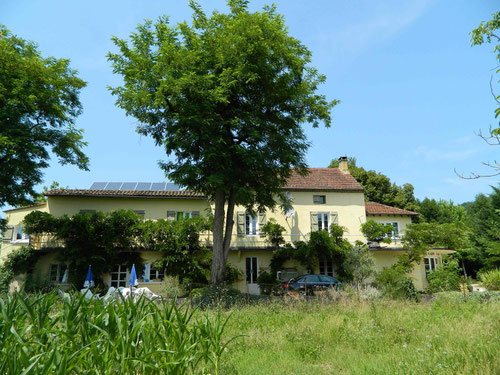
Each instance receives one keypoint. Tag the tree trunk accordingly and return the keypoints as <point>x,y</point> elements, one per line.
<point>218,259</point>
<point>229,225</point>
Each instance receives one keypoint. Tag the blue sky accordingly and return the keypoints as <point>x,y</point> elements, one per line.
<point>413,92</point>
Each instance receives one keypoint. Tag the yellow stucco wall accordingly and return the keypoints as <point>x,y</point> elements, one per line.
<point>386,258</point>
<point>349,207</point>
<point>154,208</point>
<point>14,218</point>
<point>402,221</point>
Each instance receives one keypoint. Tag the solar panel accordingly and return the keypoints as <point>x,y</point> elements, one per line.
<point>143,186</point>
<point>135,186</point>
<point>172,187</point>
<point>158,186</point>
<point>128,186</point>
<point>113,186</point>
<point>98,185</point>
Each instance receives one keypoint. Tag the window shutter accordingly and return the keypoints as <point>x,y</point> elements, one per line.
<point>334,218</point>
<point>195,213</point>
<point>314,221</point>
<point>170,215</point>
<point>7,235</point>
<point>240,223</point>
<point>262,222</point>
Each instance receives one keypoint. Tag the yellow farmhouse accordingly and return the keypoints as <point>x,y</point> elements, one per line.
<point>323,197</point>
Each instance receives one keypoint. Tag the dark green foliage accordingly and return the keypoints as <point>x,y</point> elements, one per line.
<point>483,219</point>
<point>17,262</point>
<point>227,96</point>
<point>107,239</point>
<point>379,188</point>
<point>441,212</point>
<point>395,283</point>
<point>321,245</point>
<point>268,284</point>
<point>417,240</point>
<point>377,232</point>
<point>422,237</point>
<point>38,107</point>
<point>274,233</point>
<point>179,242</point>
<point>233,274</point>
<point>21,260</point>
<point>445,278</point>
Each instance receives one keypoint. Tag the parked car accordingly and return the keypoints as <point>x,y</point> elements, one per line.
<point>310,283</point>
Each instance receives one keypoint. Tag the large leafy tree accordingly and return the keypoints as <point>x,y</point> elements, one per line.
<point>483,219</point>
<point>38,107</point>
<point>379,188</point>
<point>226,96</point>
<point>487,32</point>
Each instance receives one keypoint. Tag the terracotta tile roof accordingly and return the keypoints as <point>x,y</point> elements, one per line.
<point>373,208</point>
<point>317,179</point>
<point>124,193</point>
<point>30,206</point>
<point>323,179</point>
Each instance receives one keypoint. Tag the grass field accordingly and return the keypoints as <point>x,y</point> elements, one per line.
<point>44,334</point>
<point>382,337</point>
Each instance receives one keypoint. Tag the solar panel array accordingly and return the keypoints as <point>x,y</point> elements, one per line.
<point>161,186</point>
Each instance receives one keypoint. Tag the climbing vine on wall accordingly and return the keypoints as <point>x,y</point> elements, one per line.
<point>106,239</point>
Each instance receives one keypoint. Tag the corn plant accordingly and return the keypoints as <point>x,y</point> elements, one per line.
<point>47,334</point>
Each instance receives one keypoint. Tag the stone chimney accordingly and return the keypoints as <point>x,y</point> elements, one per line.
<point>343,164</point>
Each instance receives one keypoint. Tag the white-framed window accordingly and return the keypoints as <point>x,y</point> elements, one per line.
<point>155,273</point>
<point>395,230</point>
<point>430,264</point>
<point>319,199</point>
<point>326,267</point>
<point>251,225</point>
<point>323,221</point>
<point>19,235</point>
<point>119,276</point>
<point>57,273</point>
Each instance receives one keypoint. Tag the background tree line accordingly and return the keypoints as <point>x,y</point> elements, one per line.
<point>479,219</point>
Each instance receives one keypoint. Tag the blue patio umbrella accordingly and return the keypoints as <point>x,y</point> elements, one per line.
<point>133,277</point>
<point>89,281</point>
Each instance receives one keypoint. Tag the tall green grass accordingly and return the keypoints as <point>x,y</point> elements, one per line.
<point>447,336</point>
<point>48,335</point>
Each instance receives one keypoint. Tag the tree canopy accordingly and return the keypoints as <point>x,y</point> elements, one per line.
<point>38,107</point>
<point>226,96</point>
<point>486,32</point>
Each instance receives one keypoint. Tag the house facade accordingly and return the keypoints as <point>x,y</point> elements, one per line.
<point>323,197</point>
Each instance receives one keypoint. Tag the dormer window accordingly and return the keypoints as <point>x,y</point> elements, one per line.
<point>319,199</point>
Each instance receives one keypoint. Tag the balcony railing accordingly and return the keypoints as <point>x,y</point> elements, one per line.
<point>253,241</point>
